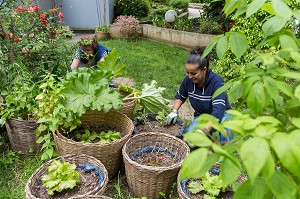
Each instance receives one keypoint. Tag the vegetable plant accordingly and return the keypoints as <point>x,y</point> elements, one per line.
<point>211,184</point>
<point>60,176</point>
<point>266,124</point>
<point>104,137</point>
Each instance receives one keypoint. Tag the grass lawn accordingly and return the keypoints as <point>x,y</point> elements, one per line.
<point>146,60</point>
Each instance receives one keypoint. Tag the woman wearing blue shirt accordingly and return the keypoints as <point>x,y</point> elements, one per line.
<point>199,86</point>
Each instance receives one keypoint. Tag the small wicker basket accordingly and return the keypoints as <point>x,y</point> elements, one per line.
<point>72,158</point>
<point>108,153</point>
<point>150,180</point>
<point>21,135</point>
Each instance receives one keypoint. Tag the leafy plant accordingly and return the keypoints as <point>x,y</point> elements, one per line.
<point>87,136</point>
<point>161,117</point>
<point>137,8</point>
<point>60,176</point>
<point>104,137</point>
<point>102,28</point>
<point>211,184</point>
<point>129,25</point>
<point>267,127</point>
<point>126,89</point>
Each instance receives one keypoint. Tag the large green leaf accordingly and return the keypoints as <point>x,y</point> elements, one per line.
<point>265,131</point>
<point>238,43</point>
<point>112,64</point>
<point>236,92</point>
<point>254,6</point>
<point>222,89</point>
<point>107,99</point>
<point>230,6</point>
<point>295,135</point>
<point>151,98</point>
<point>269,167</point>
<point>287,151</point>
<point>254,153</point>
<point>229,171</point>
<point>248,84</point>
<point>257,98</point>
<point>193,163</point>
<point>285,88</point>
<point>268,8</point>
<point>273,25</point>
<point>220,151</point>
<point>271,86</point>
<point>222,46</point>
<point>288,42</point>
<point>198,139</point>
<point>281,9</point>
<point>282,186</point>
<point>211,45</point>
<point>247,190</point>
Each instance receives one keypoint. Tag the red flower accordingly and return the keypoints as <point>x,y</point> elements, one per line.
<point>53,10</point>
<point>44,22</point>
<point>233,23</point>
<point>61,15</point>
<point>17,39</point>
<point>20,9</point>
<point>10,35</point>
<point>43,16</point>
<point>36,8</point>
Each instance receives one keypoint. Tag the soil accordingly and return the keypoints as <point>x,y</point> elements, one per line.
<point>88,182</point>
<point>156,159</point>
<point>155,126</point>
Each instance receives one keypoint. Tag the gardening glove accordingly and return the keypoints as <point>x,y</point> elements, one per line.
<point>172,117</point>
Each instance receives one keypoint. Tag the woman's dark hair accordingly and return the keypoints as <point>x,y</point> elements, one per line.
<point>196,57</point>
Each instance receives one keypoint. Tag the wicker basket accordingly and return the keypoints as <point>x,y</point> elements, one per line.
<point>91,196</point>
<point>109,153</point>
<point>21,135</point>
<point>150,180</point>
<point>72,158</point>
<point>128,106</point>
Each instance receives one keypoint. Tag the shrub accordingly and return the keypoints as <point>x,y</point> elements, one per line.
<point>180,4</point>
<point>137,8</point>
<point>208,26</point>
<point>129,26</point>
<point>102,28</point>
<point>160,12</point>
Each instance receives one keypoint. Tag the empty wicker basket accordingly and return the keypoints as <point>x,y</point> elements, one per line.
<point>72,158</point>
<point>150,180</point>
<point>108,153</point>
<point>21,135</point>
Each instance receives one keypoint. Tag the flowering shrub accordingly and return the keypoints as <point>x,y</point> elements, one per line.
<point>31,37</point>
<point>129,25</point>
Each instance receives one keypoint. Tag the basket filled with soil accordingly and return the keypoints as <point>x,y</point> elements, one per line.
<point>101,135</point>
<point>152,162</point>
<point>210,185</point>
<point>69,176</point>
<point>157,123</point>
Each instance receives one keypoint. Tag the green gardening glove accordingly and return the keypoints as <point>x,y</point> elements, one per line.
<point>172,117</point>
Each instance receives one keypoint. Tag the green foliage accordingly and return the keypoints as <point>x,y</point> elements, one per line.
<point>211,184</point>
<point>19,100</point>
<point>137,8</point>
<point>160,12</point>
<point>161,116</point>
<point>179,4</point>
<point>103,136</point>
<point>60,176</point>
<point>126,89</point>
<point>101,28</point>
<point>150,98</point>
<point>208,26</point>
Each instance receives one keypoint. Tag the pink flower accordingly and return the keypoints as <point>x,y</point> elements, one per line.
<point>36,8</point>
<point>30,9</point>
<point>10,35</point>
<point>17,39</point>
<point>31,35</point>
<point>44,22</point>
<point>25,34</point>
<point>24,50</point>
<point>41,41</point>
<point>43,16</point>
<point>61,15</point>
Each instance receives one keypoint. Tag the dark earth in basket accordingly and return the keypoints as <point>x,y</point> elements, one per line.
<point>152,125</point>
<point>154,156</point>
<point>88,181</point>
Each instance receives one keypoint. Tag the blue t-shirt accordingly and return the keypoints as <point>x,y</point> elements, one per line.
<point>101,52</point>
<point>201,97</point>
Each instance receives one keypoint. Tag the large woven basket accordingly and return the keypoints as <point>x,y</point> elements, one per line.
<point>108,153</point>
<point>128,106</point>
<point>21,135</point>
<point>72,158</point>
<point>91,196</point>
<point>150,180</point>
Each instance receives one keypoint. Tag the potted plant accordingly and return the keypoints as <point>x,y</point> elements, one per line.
<point>125,27</point>
<point>68,176</point>
<point>101,32</point>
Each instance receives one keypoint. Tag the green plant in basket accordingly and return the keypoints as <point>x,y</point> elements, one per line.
<point>60,176</point>
<point>88,136</point>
